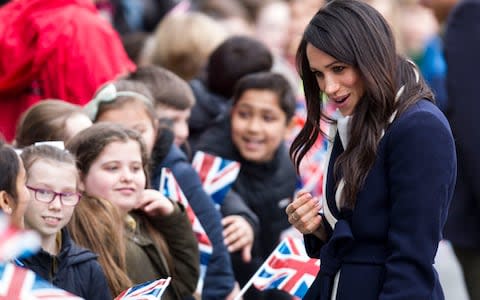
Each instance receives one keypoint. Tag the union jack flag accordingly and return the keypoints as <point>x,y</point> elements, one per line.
<point>16,243</point>
<point>216,173</point>
<point>18,283</point>
<point>150,290</point>
<point>170,188</point>
<point>288,268</point>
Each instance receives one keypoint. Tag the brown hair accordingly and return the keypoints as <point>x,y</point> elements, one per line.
<point>144,98</point>
<point>93,226</point>
<point>166,87</point>
<point>45,121</point>
<point>32,153</point>
<point>88,144</point>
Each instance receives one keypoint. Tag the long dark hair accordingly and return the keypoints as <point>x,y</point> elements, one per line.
<point>356,34</point>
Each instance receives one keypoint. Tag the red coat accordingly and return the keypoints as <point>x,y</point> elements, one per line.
<point>54,49</point>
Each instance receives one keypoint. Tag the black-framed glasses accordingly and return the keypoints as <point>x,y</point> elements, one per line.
<point>47,196</point>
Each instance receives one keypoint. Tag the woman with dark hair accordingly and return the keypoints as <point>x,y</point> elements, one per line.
<point>392,163</point>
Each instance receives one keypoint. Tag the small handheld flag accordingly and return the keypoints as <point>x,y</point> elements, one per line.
<point>17,283</point>
<point>16,243</point>
<point>150,290</point>
<point>288,268</point>
<point>216,173</point>
<point>170,188</point>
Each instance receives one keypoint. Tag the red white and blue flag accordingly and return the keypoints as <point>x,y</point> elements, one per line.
<point>16,243</point>
<point>17,283</point>
<point>150,290</point>
<point>288,268</point>
<point>170,188</point>
<point>216,173</point>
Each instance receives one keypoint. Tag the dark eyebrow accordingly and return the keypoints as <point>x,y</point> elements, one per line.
<point>332,63</point>
<point>326,67</point>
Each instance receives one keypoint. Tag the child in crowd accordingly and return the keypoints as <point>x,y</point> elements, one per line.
<point>173,98</point>
<point>160,242</point>
<point>128,102</point>
<point>50,120</point>
<point>263,106</point>
<point>14,196</point>
<point>52,179</point>
<point>236,57</point>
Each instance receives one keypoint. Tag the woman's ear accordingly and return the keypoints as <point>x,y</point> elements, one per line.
<point>6,203</point>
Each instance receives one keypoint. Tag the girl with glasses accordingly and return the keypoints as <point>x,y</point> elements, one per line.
<point>52,180</point>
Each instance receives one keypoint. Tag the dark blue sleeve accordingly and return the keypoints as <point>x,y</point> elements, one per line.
<point>98,288</point>
<point>421,173</point>
<point>219,280</point>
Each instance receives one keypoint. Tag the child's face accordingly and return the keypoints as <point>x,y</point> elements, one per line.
<point>50,218</point>
<point>133,116</point>
<point>117,175</point>
<point>259,125</point>
<point>23,198</point>
<point>179,119</point>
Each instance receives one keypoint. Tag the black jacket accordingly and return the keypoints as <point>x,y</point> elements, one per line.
<point>74,269</point>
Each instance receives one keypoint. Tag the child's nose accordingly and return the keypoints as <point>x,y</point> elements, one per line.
<point>56,203</point>
<point>254,124</point>
<point>126,175</point>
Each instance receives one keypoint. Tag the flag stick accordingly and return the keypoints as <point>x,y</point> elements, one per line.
<point>250,281</point>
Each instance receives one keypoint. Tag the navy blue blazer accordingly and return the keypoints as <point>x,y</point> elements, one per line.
<point>385,248</point>
<point>462,53</point>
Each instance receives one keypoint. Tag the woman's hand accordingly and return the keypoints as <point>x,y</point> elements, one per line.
<point>154,203</point>
<point>303,215</point>
<point>238,235</point>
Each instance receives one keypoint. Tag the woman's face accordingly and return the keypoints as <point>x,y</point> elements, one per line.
<point>117,175</point>
<point>339,81</point>
<point>133,115</point>
<point>259,125</point>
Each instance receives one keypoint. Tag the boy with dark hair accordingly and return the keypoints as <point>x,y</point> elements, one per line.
<point>254,131</point>
<point>236,57</point>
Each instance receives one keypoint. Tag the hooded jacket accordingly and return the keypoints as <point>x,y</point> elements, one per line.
<point>74,269</point>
